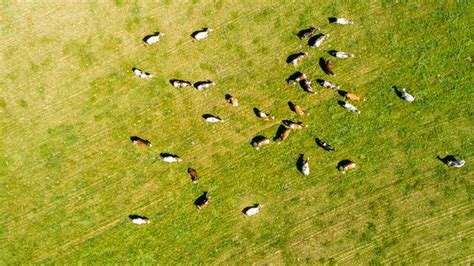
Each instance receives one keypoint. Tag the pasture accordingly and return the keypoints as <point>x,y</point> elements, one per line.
<point>69,102</point>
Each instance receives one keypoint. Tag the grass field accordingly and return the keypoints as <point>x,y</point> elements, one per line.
<point>70,102</point>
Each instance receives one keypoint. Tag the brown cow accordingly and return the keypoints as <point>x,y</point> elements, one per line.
<point>232,100</point>
<point>139,142</point>
<point>297,109</point>
<point>329,65</point>
<point>293,125</point>
<point>193,174</point>
<point>350,96</point>
<point>345,165</point>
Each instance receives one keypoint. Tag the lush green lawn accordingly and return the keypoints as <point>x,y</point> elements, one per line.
<point>69,103</point>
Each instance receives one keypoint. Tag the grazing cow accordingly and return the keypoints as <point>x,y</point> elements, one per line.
<point>296,77</point>
<point>137,219</point>
<point>262,115</point>
<point>350,96</point>
<point>345,165</point>
<point>341,21</point>
<point>170,158</point>
<point>328,67</point>
<point>201,34</point>
<point>232,100</point>
<point>142,74</point>
<point>295,59</point>
<point>282,134</point>
<point>306,33</point>
<point>305,167</point>
<point>349,107</point>
<point>297,109</point>
<point>327,84</point>
<point>177,83</point>
<point>193,174</point>
<point>307,86</point>
<point>201,85</point>
<point>260,142</point>
<point>456,164</point>
<point>153,38</point>
<point>285,134</point>
<point>340,54</point>
<point>202,201</point>
<point>139,142</point>
<point>252,210</point>
<point>317,40</point>
<point>212,118</point>
<point>404,95</point>
<point>293,125</point>
<point>324,145</point>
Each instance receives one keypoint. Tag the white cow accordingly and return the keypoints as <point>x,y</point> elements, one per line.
<point>153,38</point>
<point>350,107</point>
<point>253,210</point>
<point>201,34</point>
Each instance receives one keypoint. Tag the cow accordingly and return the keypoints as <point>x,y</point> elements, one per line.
<point>340,54</point>
<point>201,85</point>
<point>297,109</point>
<point>212,118</point>
<point>305,167</point>
<point>282,134</point>
<point>178,83</point>
<point>327,84</point>
<point>193,174</point>
<point>350,96</point>
<point>137,219</point>
<point>295,59</point>
<point>201,34</point>
<point>260,141</point>
<point>232,100</point>
<point>153,38</point>
<point>306,33</point>
<point>349,107</point>
<point>293,125</point>
<point>252,210</point>
<point>170,158</point>
<point>328,67</point>
<point>456,164</point>
<point>324,145</point>
<point>296,77</point>
<point>202,201</point>
<point>403,94</point>
<point>262,115</point>
<point>317,40</point>
<point>307,86</point>
<point>345,165</point>
<point>142,74</point>
<point>341,21</point>
<point>139,142</point>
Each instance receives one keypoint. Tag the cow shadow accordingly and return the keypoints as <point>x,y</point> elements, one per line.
<point>313,39</point>
<point>332,19</point>
<point>397,91</point>
<point>342,93</point>
<point>341,103</point>
<point>292,106</point>
<point>279,133</point>
<point>320,82</point>
<point>300,162</point>
<point>136,216</point>
<point>201,199</point>
<point>137,138</point>
<point>244,211</point>
<point>167,154</point>
<point>256,111</point>
<point>228,97</point>
<point>322,64</point>
<point>446,159</point>
<point>206,116</point>
<point>332,52</point>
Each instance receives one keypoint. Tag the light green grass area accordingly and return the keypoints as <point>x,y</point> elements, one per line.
<point>69,102</point>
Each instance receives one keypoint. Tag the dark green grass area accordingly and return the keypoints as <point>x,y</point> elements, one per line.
<point>69,102</point>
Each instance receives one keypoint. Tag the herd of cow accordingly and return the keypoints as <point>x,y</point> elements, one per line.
<point>286,126</point>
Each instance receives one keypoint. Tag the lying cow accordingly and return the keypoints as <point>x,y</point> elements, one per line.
<point>201,85</point>
<point>292,125</point>
<point>252,210</point>
<point>202,201</point>
<point>232,100</point>
<point>349,107</point>
<point>193,174</point>
<point>142,74</point>
<point>295,59</point>
<point>177,83</point>
<point>307,86</point>
<point>342,55</point>
<point>139,142</point>
<point>340,21</point>
<point>306,33</point>
<point>296,78</point>
<point>170,158</point>
<point>137,219</point>
<point>350,96</point>
<point>201,34</point>
<point>346,165</point>
<point>212,118</point>
<point>260,142</point>
<point>153,38</point>
<point>327,84</point>
<point>317,40</point>
<point>262,115</point>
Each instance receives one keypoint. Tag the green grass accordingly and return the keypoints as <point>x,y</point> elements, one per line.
<point>69,176</point>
